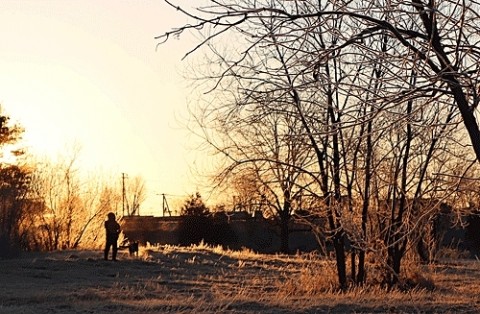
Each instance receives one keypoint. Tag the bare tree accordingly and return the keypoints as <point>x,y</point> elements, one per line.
<point>265,155</point>
<point>243,185</point>
<point>135,195</point>
<point>439,40</point>
<point>74,205</point>
<point>358,68</point>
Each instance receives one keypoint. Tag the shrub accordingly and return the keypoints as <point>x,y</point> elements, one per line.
<point>198,224</point>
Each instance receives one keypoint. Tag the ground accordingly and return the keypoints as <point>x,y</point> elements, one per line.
<point>211,280</point>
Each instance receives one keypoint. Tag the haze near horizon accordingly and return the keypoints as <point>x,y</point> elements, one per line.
<point>90,74</point>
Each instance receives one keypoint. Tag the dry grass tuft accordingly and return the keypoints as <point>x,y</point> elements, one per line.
<point>416,276</point>
<point>310,279</point>
<point>417,280</point>
<point>452,253</point>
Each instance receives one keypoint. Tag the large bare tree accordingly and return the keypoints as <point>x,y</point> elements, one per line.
<point>437,38</point>
<point>361,78</point>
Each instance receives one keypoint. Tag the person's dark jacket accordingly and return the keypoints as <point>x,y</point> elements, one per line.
<point>113,229</point>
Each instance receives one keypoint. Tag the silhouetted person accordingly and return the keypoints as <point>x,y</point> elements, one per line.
<point>112,229</point>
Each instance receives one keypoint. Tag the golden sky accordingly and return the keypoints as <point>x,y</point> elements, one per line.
<point>89,72</point>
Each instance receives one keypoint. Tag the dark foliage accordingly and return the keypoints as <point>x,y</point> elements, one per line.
<point>14,185</point>
<point>472,234</point>
<point>198,224</point>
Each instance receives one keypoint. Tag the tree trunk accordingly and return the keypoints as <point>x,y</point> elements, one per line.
<point>361,276</point>
<point>353,264</point>
<point>339,246</point>
<point>284,235</point>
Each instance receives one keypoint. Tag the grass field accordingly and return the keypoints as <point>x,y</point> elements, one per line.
<point>211,280</point>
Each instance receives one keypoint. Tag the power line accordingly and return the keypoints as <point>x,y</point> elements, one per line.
<point>172,195</point>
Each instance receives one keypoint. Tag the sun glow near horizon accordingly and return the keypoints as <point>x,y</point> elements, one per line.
<point>90,73</point>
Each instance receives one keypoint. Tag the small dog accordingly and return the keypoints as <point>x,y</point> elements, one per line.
<point>133,248</point>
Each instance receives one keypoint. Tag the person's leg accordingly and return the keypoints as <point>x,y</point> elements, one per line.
<point>107,249</point>
<point>114,250</point>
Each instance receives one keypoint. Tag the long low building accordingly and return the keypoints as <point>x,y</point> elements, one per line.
<point>235,231</point>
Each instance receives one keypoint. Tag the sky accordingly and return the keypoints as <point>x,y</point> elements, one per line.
<point>89,73</point>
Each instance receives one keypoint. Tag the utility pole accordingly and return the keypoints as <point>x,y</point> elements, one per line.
<point>166,209</point>
<point>124,176</point>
